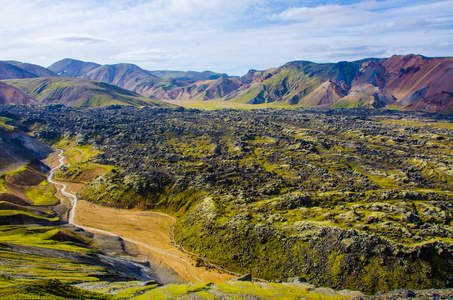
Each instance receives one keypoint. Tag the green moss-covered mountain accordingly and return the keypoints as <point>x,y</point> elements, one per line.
<point>79,92</point>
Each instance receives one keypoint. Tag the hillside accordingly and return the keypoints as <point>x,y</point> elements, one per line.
<point>79,92</point>
<point>10,71</point>
<point>17,147</point>
<point>411,82</point>
<point>12,95</point>
<point>161,85</point>
<point>34,69</point>
<point>72,68</point>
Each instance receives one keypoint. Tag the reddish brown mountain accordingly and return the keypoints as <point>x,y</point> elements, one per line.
<point>12,95</point>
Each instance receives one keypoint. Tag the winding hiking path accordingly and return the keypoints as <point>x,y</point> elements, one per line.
<point>151,232</point>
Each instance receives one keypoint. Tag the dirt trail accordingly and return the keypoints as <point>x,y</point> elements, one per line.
<point>149,231</point>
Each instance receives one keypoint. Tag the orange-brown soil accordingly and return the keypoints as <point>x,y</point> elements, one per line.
<point>153,232</point>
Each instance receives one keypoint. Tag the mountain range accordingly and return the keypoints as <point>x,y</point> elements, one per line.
<point>411,83</point>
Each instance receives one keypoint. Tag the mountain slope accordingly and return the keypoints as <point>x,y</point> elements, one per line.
<point>160,85</point>
<point>414,78</point>
<point>294,81</point>
<point>410,82</point>
<point>9,71</point>
<point>80,92</point>
<point>12,95</point>
<point>34,69</point>
<point>72,68</point>
<point>123,75</point>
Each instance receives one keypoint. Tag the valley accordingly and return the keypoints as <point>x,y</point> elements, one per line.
<point>150,232</point>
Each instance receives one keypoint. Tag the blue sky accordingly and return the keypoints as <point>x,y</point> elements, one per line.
<point>224,36</point>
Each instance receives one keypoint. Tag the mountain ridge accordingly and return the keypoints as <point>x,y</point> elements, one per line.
<point>405,82</point>
<point>79,92</point>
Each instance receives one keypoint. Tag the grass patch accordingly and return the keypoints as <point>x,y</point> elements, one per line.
<point>7,213</point>
<point>4,126</point>
<point>417,123</point>
<point>44,195</point>
<point>271,291</point>
<point>46,289</point>
<point>37,237</point>
<point>172,291</point>
<point>2,186</point>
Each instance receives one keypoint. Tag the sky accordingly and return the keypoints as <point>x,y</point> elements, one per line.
<point>227,36</point>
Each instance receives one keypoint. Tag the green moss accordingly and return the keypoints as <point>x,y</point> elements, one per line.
<point>43,196</point>
<point>2,185</point>
<point>6,213</point>
<point>271,291</point>
<point>46,289</point>
<point>37,237</point>
<point>4,126</point>
<point>172,291</point>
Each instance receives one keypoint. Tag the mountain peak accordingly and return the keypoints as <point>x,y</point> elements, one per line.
<point>69,67</point>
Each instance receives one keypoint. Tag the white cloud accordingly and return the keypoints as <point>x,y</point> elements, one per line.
<point>226,36</point>
<point>73,39</point>
<point>147,55</point>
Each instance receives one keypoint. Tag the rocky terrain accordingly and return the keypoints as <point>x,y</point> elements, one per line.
<point>42,257</point>
<point>358,199</point>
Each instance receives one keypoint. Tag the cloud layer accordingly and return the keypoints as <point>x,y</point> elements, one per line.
<point>225,36</point>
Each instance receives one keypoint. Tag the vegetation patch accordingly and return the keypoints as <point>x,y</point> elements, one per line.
<point>4,126</point>
<point>43,237</point>
<point>44,195</point>
<point>45,289</point>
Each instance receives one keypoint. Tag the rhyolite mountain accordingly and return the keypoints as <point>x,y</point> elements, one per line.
<point>411,82</point>
<point>12,95</point>
<point>72,68</point>
<point>31,84</point>
<point>160,85</point>
<point>72,92</point>
<point>14,69</point>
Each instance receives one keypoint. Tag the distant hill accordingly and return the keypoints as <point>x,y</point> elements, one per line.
<point>80,92</point>
<point>411,82</point>
<point>38,71</point>
<point>11,71</point>
<point>72,68</point>
<point>160,85</point>
<point>189,76</point>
